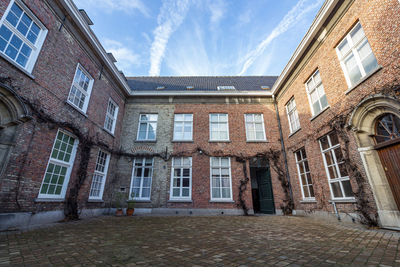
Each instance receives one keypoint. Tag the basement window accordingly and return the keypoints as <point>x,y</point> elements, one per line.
<point>225,87</point>
<point>160,87</point>
<point>189,87</point>
<point>21,35</point>
<point>265,87</point>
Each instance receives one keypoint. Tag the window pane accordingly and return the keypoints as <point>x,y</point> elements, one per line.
<point>348,192</point>
<point>344,47</point>
<point>216,193</point>
<point>337,192</point>
<point>333,138</point>
<point>332,172</point>
<point>185,192</point>
<point>226,193</point>
<point>324,142</point>
<point>357,34</point>
<point>352,69</point>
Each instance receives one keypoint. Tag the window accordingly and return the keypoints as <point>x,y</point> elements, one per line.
<point>80,89</point>
<point>183,127</point>
<point>147,127</point>
<point>304,174</point>
<point>221,186</point>
<point>99,176</point>
<point>59,167</point>
<point>219,130</point>
<point>316,93</point>
<point>356,56</point>
<point>293,116</point>
<point>255,130</point>
<point>21,35</point>
<point>181,178</point>
<point>141,178</point>
<point>111,116</point>
<point>335,167</point>
<point>387,128</point>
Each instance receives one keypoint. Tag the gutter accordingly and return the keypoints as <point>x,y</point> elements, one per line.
<point>201,93</point>
<point>283,149</point>
<point>316,26</point>
<point>79,20</point>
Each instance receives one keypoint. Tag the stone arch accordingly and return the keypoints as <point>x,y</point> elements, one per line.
<point>12,113</point>
<point>363,121</point>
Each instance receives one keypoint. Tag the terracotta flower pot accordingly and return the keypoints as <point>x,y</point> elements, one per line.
<point>129,212</point>
<point>119,212</point>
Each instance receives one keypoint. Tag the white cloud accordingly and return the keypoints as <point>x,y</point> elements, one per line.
<point>126,58</point>
<point>172,14</point>
<point>217,9</point>
<point>290,19</point>
<point>110,5</point>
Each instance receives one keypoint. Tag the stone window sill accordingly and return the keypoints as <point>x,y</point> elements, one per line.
<point>363,80</point>
<point>222,201</point>
<point>350,200</point>
<point>77,109</point>
<point>49,200</point>
<point>110,133</point>
<point>322,111</point>
<point>95,201</point>
<point>180,201</point>
<point>306,201</point>
<point>291,134</point>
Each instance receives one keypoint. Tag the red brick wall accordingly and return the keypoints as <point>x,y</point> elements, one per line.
<point>236,146</point>
<point>54,72</point>
<point>380,21</point>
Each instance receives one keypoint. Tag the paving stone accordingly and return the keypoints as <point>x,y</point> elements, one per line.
<point>200,241</point>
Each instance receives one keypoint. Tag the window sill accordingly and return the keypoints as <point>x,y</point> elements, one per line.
<point>145,141</point>
<point>348,200</point>
<point>95,201</point>
<point>221,201</point>
<point>322,111</point>
<point>49,199</point>
<point>363,80</point>
<point>291,134</point>
<point>140,200</point>
<point>308,201</point>
<point>77,109</point>
<point>182,141</point>
<point>17,66</point>
<point>219,141</point>
<point>110,133</point>
<point>180,201</point>
<point>256,141</point>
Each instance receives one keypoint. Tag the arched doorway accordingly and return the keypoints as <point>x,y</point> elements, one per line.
<point>12,113</point>
<point>387,137</point>
<point>376,124</point>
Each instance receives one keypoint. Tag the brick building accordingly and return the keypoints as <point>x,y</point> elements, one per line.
<point>321,139</point>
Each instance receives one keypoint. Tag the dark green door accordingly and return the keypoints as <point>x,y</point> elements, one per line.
<point>266,196</point>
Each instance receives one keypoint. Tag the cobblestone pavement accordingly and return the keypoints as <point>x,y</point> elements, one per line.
<point>200,241</point>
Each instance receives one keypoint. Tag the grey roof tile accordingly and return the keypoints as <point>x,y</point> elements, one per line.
<point>200,83</point>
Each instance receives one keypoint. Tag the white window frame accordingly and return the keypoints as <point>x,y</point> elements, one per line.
<point>141,179</point>
<point>99,173</point>
<point>336,165</point>
<point>353,50</point>
<point>173,167</point>
<point>86,93</point>
<point>264,138</point>
<point>293,124</point>
<point>111,117</point>
<point>221,199</point>
<point>69,165</point>
<point>147,127</point>
<point>302,162</point>
<point>36,48</point>
<point>315,88</point>
<point>183,127</point>
<point>227,126</point>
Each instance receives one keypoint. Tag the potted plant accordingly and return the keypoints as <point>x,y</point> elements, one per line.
<point>131,207</point>
<point>118,204</point>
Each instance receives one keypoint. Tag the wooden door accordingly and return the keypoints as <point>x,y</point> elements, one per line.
<point>390,158</point>
<point>266,197</point>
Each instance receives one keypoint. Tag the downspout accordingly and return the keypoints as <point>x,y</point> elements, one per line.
<point>283,149</point>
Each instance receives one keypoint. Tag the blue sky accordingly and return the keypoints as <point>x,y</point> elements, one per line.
<point>201,37</point>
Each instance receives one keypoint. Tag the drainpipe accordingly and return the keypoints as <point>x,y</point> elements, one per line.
<point>336,211</point>
<point>283,147</point>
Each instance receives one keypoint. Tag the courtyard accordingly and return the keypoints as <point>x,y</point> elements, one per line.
<point>200,241</point>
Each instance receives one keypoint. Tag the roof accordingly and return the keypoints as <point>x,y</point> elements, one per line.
<point>201,83</point>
